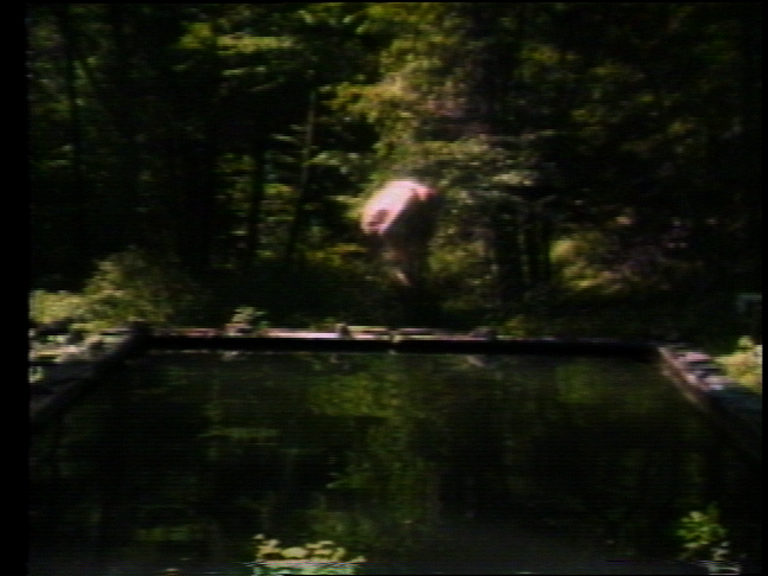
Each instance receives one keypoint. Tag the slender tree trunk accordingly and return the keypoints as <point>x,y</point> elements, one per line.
<point>199,215</point>
<point>749,199</point>
<point>508,257</point>
<point>253,224</point>
<point>198,133</point>
<point>546,244</point>
<point>125,118</point>
<point>303,193</point>
<point>531,249</point>
<point>78,203</point>
<point>537,238</point>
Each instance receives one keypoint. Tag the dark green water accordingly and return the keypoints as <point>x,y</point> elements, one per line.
<point>422,463</point>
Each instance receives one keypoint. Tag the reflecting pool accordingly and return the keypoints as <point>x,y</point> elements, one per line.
<point>421,463</point>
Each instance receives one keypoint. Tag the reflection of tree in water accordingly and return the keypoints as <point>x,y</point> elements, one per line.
<point>387,494</point>
<point>379,453</point>
<point>557,448</point>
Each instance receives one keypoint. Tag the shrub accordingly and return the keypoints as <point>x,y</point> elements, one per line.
<point>249,315</point>
<point>125,287</point>
<point>323,557</point>
<point>704,541</point>
<point>48,307</point>
<point>745,364</point>
<point>702,535</point>
<point>132,285</point>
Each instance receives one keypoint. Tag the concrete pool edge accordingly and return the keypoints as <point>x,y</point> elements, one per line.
<point>735,409</point>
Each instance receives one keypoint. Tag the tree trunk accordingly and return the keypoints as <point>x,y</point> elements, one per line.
<point>123,229</point>
<point>748,200</point>
<point>303,193</point>
<point>253,224</point>
<point>508,257</point>
<point>78,202</point>
<point>198,217</point>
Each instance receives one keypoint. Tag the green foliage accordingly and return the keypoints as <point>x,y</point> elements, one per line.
<point>322,557</point>
<point>649,113</point>
<point>132,285</point>
<point>702,535</point>
<point>617,260</point>
<point>46,307</point>
<point>340,282</point>
<point>745,364</point>
<point>250,316</point>
<point>577,259</point>
<point>125,287</point>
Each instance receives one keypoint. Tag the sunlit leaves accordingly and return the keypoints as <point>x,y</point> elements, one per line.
<point>418,70</point>
<point>703,536</point>
<point>745,363</point>
<point>46,307</point>
<point>199,35</point>
<point>578,260</point>
<point>245,44</point>
<point>130,286</point>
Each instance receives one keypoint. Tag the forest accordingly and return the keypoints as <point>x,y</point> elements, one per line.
<point>598,163</point>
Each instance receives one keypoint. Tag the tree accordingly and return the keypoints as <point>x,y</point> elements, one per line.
<point>237,136</point>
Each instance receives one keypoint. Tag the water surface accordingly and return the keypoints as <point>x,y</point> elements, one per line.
<point>422,463</point>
